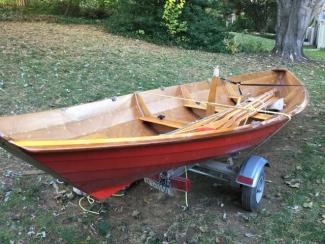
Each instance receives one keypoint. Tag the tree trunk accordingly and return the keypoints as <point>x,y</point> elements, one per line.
<point>22,3</point>
<point>293,18</point>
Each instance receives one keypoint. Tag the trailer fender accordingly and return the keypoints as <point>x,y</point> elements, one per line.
<point>250,170</point>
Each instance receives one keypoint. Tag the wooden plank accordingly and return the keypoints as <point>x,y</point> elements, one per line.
<point>185,92</point>
<point>212,96</point>
<point>203,106</point>
<point>141,106</point>
<point>166,122</point>
<point>148,117</point>
<point>237,115</point>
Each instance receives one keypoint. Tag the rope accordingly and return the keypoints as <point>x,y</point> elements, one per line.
<point>186,200</point>
<point>91,201</point>
<point>240,83</point>
<point>266,140</point>
<point>118,194</point>
<point>219,104</point>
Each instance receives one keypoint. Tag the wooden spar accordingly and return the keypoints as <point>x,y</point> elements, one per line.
<point>229,117</point>
<point>236,120</point>
<point>236,115</point>
<point>259,116</point>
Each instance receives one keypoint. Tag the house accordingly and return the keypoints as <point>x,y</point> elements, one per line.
<point>320,40</point>
<point>315,34</point>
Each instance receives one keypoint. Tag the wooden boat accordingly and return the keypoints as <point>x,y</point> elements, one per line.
<point>103,146</point>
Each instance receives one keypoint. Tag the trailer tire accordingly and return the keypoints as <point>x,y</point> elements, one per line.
<point>252,196</point>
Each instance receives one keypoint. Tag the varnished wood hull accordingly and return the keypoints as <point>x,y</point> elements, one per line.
<point>103,146</point>
<point>103,171</point>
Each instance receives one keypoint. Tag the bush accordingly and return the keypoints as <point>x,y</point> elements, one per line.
<point>200,27</point>
<point>76,8</point>
<point>253,44</point>
<point>134,16</point>
<point>232,46</point>
<point>204,30</point>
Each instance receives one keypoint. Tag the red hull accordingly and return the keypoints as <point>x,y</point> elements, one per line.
<point>101,172</point>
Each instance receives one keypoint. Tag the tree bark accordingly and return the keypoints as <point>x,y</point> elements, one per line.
<point>293,18</point>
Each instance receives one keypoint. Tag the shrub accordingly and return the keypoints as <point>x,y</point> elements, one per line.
<point>232,46</point>
<point>172,11</point>
<point>134,16</point>
<point>192,26</point>
<point>77,8</point>
<point>204,30</point>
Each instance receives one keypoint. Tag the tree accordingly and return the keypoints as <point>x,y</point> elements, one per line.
<point>294,16</point>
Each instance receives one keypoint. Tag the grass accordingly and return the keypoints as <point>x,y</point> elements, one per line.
<point>253,44</point>
<point>316,54</point>
<point>48,65</point>
<point>256,44</point>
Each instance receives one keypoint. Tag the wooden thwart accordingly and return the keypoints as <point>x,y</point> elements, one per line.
<point>166,122</point>
<point>148,117</point>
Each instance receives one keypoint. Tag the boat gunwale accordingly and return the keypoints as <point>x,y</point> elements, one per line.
<point>111,143</point>
<point>85,144</point>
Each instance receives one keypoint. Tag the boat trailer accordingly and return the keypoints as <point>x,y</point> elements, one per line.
<point>249,177</point>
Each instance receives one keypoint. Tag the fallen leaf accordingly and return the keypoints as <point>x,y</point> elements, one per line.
<point>224,216</point>
<point>294,183</point>
<point>135,213</point>
<point>308,205</point>
<point>286,176</point>
<point>41,234</point>
<point>203,229</point>
<point>249,235</point>
<point>298,167</point>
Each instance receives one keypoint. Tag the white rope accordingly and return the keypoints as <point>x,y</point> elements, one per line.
<point>91,201</point>
<point>186,200</point>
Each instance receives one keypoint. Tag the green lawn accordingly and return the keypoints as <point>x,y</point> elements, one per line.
<point>315,54</point>
<point>254,44</point>
<point>47,65</point>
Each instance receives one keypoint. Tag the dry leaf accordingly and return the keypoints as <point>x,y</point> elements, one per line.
<point>249,235</point>
<point>308,205</point>
<point>293,183</point>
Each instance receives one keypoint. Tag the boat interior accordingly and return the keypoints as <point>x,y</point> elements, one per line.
<point>215,104</point>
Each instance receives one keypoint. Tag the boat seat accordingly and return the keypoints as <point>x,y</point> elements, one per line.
<point>203,106</point>
<point>166,122</point>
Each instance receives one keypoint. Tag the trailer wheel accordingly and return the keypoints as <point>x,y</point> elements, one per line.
<point>252,196</point>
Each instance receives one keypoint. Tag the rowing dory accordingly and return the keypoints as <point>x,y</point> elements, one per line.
<point>103,146</point>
